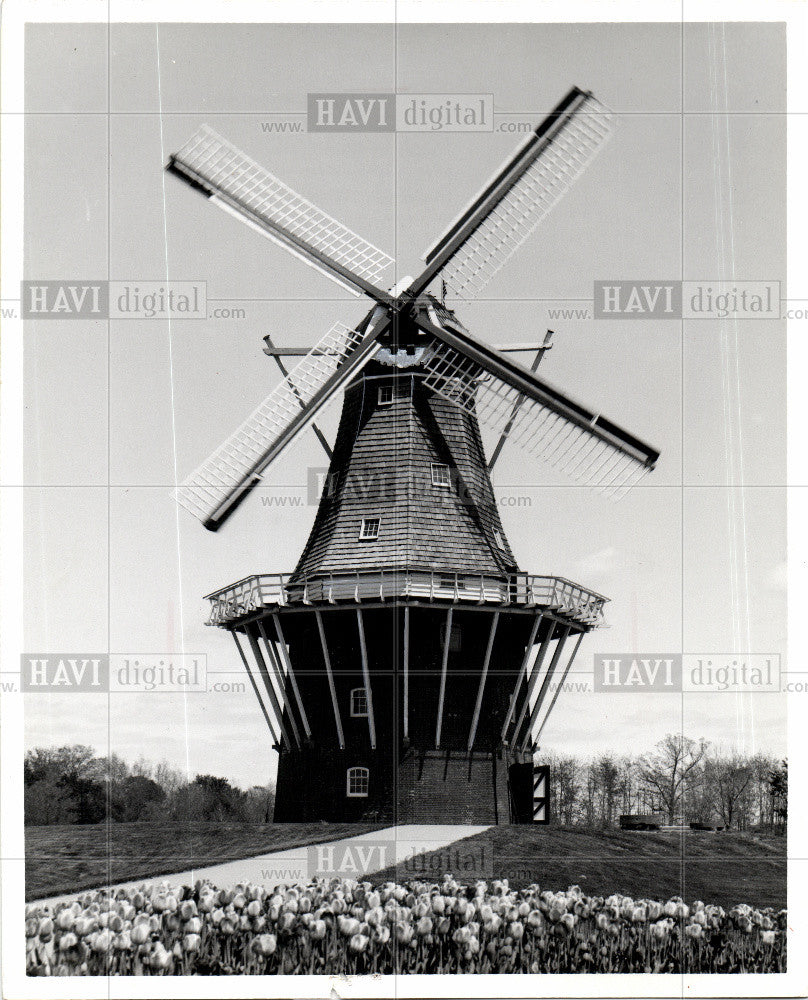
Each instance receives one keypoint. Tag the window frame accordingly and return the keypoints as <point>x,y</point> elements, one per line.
<point>363,535</point>
<point>436,482</point>
<point>356,714</point>
<point>384,389</point>
<point>360,773</point>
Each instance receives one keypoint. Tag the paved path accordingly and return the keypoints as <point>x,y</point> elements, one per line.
<point>351,857</point>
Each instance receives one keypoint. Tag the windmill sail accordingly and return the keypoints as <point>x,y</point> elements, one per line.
<point>537,417</point>
<point>239,185</point>
<point>504,396</point>
<point>499,220</point>
<point>214,490</point>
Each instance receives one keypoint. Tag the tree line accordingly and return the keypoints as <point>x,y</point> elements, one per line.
<point>71,784</point>
<point>685,780</point>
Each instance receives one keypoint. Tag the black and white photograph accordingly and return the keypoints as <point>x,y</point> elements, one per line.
<point>402,500</point>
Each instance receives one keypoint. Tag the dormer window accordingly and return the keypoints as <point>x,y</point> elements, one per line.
<point>499,539</point>
<point>441,475</point>
<point>369,531</point>
<point>385,395</point>
<point>330,484</point>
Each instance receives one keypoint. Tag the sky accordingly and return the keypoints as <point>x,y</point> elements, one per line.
<point>692,185</point>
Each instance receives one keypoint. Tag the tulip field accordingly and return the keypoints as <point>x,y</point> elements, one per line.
<point>342,926</point>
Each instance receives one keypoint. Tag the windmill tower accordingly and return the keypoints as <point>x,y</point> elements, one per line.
<point>407,666</point>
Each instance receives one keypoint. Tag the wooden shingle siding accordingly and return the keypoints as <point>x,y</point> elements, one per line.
<point>382,465</point>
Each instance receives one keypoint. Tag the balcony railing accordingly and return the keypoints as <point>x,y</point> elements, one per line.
<point>272,590</point>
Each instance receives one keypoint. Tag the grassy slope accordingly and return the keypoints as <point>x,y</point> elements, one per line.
<point>724,868</point>
<point>61,859</point>
<point>719,868</point>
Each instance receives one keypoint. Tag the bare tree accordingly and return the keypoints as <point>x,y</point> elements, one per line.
<point>778,784</point>
<point>666,771</point>
<point>607,776</point>
<point>728,779</point>
<point>566,785</point>
<point>589,804</point>
<point>628,788</point>
<point>170,779</point>
<point>698,797</point>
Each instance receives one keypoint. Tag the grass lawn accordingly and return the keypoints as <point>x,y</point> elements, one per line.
<point>62,859</point>
<point>722,868</point>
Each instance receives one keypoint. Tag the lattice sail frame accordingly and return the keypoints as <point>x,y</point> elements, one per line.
<point>557,166</point>
<point>214,482</point>
<point>534,180</point>
<point>571,448</point>
<point>242,186</point>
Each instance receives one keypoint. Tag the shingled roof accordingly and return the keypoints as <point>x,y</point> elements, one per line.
<point>382,468</point>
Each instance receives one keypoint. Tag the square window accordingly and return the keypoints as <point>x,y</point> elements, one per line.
<point>359,703</point>
<point>369,531</point>
<point>358,782</point>
<point>441,475</point>
<point>385,395</point>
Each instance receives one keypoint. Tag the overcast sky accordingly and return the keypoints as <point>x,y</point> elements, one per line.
<point>680,191</point>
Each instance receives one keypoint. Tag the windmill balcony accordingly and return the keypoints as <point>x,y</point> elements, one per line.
<point>564,598</point>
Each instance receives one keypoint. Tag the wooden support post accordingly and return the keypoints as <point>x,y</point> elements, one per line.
<point>446,642</point>
<point>273,659</point>
<point>532,682</point>
<point>522,671</point>
<point>366,675</point>
<point>545,685</point>
<point>331,688</point>
<point>475,720</point>
<point>288,664</point>
<point>559,686</point>
<point>262,667</point>
<point>276,354</point>
<point>406,673</point>
<point>517,406</point>
<point>255,687</point>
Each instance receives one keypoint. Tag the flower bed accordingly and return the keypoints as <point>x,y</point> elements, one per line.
<point>343,926</point>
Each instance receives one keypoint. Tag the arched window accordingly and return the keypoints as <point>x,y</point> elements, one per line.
<point>359,703</point>
<point>358,780</point>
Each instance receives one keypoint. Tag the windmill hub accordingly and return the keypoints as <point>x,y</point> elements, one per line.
<point>403,357</point>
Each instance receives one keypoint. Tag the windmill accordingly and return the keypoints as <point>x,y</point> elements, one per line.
<point>405,668</point>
